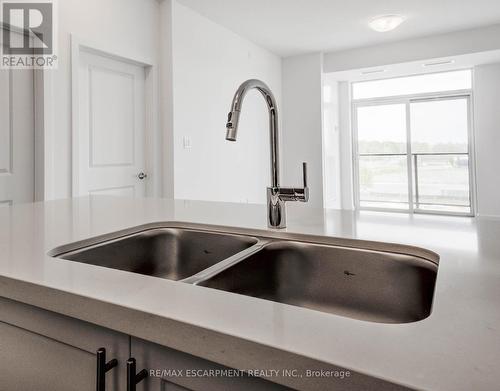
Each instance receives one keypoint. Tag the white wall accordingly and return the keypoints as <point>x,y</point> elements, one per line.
<point>166,106</point>
<point>337,145</point>
<point>331,145</point>
<point>487,138</point>
<point>302,123</point>
<point>209,63</point>
<point>346,150</point>
<point>128,28</point>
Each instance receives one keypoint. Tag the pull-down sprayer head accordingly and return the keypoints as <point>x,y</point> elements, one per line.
<point>232,125</point>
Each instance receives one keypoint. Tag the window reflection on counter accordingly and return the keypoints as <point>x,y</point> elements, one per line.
<point>437,232</point>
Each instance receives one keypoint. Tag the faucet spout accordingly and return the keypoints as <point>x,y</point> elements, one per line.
<point>276,196</point>
<point>234,117</point>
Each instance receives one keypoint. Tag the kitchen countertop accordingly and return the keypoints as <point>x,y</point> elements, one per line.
<point>456,348</point>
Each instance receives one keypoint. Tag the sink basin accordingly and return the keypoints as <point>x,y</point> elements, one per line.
<point>371,281</point>
<point>362,284</point>
<point>171,253</point>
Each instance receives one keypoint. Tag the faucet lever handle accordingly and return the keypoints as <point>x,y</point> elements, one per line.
<point>304,174</point>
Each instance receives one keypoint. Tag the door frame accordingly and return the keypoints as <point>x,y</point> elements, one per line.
<point>152,129</point>
<point>41,125</point>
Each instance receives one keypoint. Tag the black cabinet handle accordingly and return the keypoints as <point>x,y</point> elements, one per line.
<point>102,368</point>
<point>132,377</point>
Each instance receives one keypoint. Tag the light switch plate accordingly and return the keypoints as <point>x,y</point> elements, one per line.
<point>186,142</point>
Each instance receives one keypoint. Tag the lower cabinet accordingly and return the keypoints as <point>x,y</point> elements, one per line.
<point>46,351</point>
<point>171,370</point>
<point>42,350</point>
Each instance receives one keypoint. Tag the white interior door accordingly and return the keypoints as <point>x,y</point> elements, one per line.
<point>17,136</point>
<point>111,127</point>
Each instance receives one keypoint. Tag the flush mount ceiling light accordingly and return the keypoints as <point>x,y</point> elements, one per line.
<point>386,23</point>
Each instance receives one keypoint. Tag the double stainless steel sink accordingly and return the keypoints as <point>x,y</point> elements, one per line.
<point>371,281</point>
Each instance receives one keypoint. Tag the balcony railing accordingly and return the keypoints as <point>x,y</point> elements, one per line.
<point>429,185</point>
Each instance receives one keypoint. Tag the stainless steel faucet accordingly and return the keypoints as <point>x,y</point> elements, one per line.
<point>276,195</point>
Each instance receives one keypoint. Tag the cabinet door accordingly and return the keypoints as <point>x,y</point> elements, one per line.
<point>43,350</point>
<point>171,370</point>
<point>29,361</point>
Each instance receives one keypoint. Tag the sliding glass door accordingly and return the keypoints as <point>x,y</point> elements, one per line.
<point>414,155</point>
<point>440,150</point>
<point>382,156</point>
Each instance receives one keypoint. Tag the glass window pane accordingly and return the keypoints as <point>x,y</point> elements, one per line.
<point>382,129</point>
<point>439,126</point>
<point>442,182</point>
<point>433,82</point>
<point>384,180</point>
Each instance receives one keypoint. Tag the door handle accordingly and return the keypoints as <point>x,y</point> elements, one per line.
<point>304,174</point>
<point>132,377</point>
<point>102,368</point>
<point>142,176</point>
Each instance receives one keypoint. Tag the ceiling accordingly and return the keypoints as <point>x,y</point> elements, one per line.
<point>290,27</point>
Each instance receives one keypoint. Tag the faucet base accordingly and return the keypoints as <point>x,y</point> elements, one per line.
<point>276,209</point>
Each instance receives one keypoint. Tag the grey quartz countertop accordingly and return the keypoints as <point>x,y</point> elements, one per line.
<point>456,348</point>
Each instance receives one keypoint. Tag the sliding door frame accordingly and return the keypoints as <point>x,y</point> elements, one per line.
<point>407,100</point>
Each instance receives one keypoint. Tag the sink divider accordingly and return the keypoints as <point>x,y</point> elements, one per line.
<point>226,263</point>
